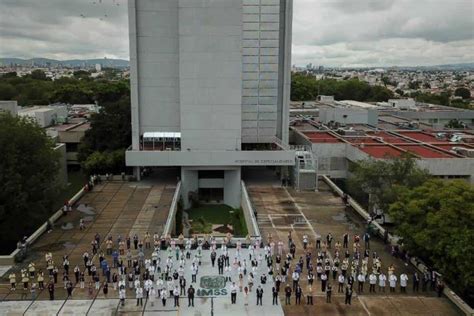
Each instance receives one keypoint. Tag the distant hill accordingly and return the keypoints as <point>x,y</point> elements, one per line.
<point>105,62</point>
<point>463,66</point>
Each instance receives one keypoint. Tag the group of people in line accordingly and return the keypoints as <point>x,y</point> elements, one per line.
<point>161,275</point>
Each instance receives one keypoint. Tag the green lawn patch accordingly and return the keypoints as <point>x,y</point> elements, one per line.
<point>205,216</point>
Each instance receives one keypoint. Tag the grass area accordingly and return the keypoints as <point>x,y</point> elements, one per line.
<point>215,214</point>
<point>204,216</point>
<point>76,180</point>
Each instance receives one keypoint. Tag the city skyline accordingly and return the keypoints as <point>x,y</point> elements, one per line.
<point>329,33</point>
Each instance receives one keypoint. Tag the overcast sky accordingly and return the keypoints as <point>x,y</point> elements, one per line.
<point>325,32</point>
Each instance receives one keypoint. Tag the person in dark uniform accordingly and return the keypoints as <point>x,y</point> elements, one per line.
<point>288,294</point>
<point>348,295</point>
<point>220,265</point>
<point>416,282</point>
<point>182,285</point>
<point>298,294</point>
<point>51,291</point>
<point>213,258</point>
<point>259,295</point>
<point>328,293</point>
<point>191,296</point>
<point>275,296</point>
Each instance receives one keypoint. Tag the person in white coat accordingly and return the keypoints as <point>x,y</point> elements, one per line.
<point>392,280</point>
<point>122,295</point>
<point>403,282</point>
<point>163,296</point>
<point>382,282</point>
<point>139,296</point>
<point>152,296</point>
<point>372,282</point>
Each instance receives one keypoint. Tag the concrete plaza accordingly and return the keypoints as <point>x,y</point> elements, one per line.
<point>120,208</point>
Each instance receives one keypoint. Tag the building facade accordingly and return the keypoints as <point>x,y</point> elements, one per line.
<point>210,85</point>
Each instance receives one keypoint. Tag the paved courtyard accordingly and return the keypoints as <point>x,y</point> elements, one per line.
<point>280,210</point>
<point>120,208</point>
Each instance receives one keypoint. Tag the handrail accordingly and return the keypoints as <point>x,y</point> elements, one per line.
<point>173,209</point>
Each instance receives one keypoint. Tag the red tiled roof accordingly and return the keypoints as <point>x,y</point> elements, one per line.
<point>425,152</point>
<point>381,151</point>
<point>323,137</point>
<point>424,137</point>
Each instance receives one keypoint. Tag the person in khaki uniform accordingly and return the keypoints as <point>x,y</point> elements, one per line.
<point>24,279</point>
<point>41,280</point>
<point>32,269</point>
<point>12,278</point>
<point>310,293</point>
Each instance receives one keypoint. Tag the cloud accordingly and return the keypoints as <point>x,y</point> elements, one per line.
<point>64,29</point>
<point>325,32</point>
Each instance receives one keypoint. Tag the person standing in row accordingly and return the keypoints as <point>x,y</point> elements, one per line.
<point>309,295</point>
<point>348,295</point>
<point>51,291</point>
<point>122,295</point>
<point>275,296</point>
<point>163,295</point>
<point>176,296</point>
<point>12,278</point>
<point>287,295</point>
<point>139,295</point>
<point>382,282</point>
<point>328,293</point>
<point>191,296</point>
<point>233,293</point>
<point>403,282</point>
<point>372,282</point>
<point>393,282</point>
<point>259,295</point>
<point>416,282</point>
<point>298,294</point>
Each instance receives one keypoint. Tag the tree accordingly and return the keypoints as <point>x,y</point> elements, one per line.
<point>376,182</point>
<point>436,222</point>
<point>28,171</point>
<point>385,80</point>
<point>104,162</point>
<point>7,91</point>
<point>455,123</point>
<point>414,85</point>
<point>11,74</point>
<point>463,93</point>
<point>306,88</point>
<point>81,74</point>
<point>110,132</point>
<point>38,75</point>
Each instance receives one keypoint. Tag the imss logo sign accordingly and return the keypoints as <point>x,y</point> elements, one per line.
<point>212,286</point>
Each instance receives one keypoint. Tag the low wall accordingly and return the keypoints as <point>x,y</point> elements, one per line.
<point>170,226</point>
<point>249,213</point>
<point>418,264</point>
<point>8,260</point>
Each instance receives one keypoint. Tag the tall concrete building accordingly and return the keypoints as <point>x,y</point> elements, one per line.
<point>210,87</point>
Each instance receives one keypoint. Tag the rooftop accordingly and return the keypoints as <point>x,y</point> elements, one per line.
<point>322,137</point>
